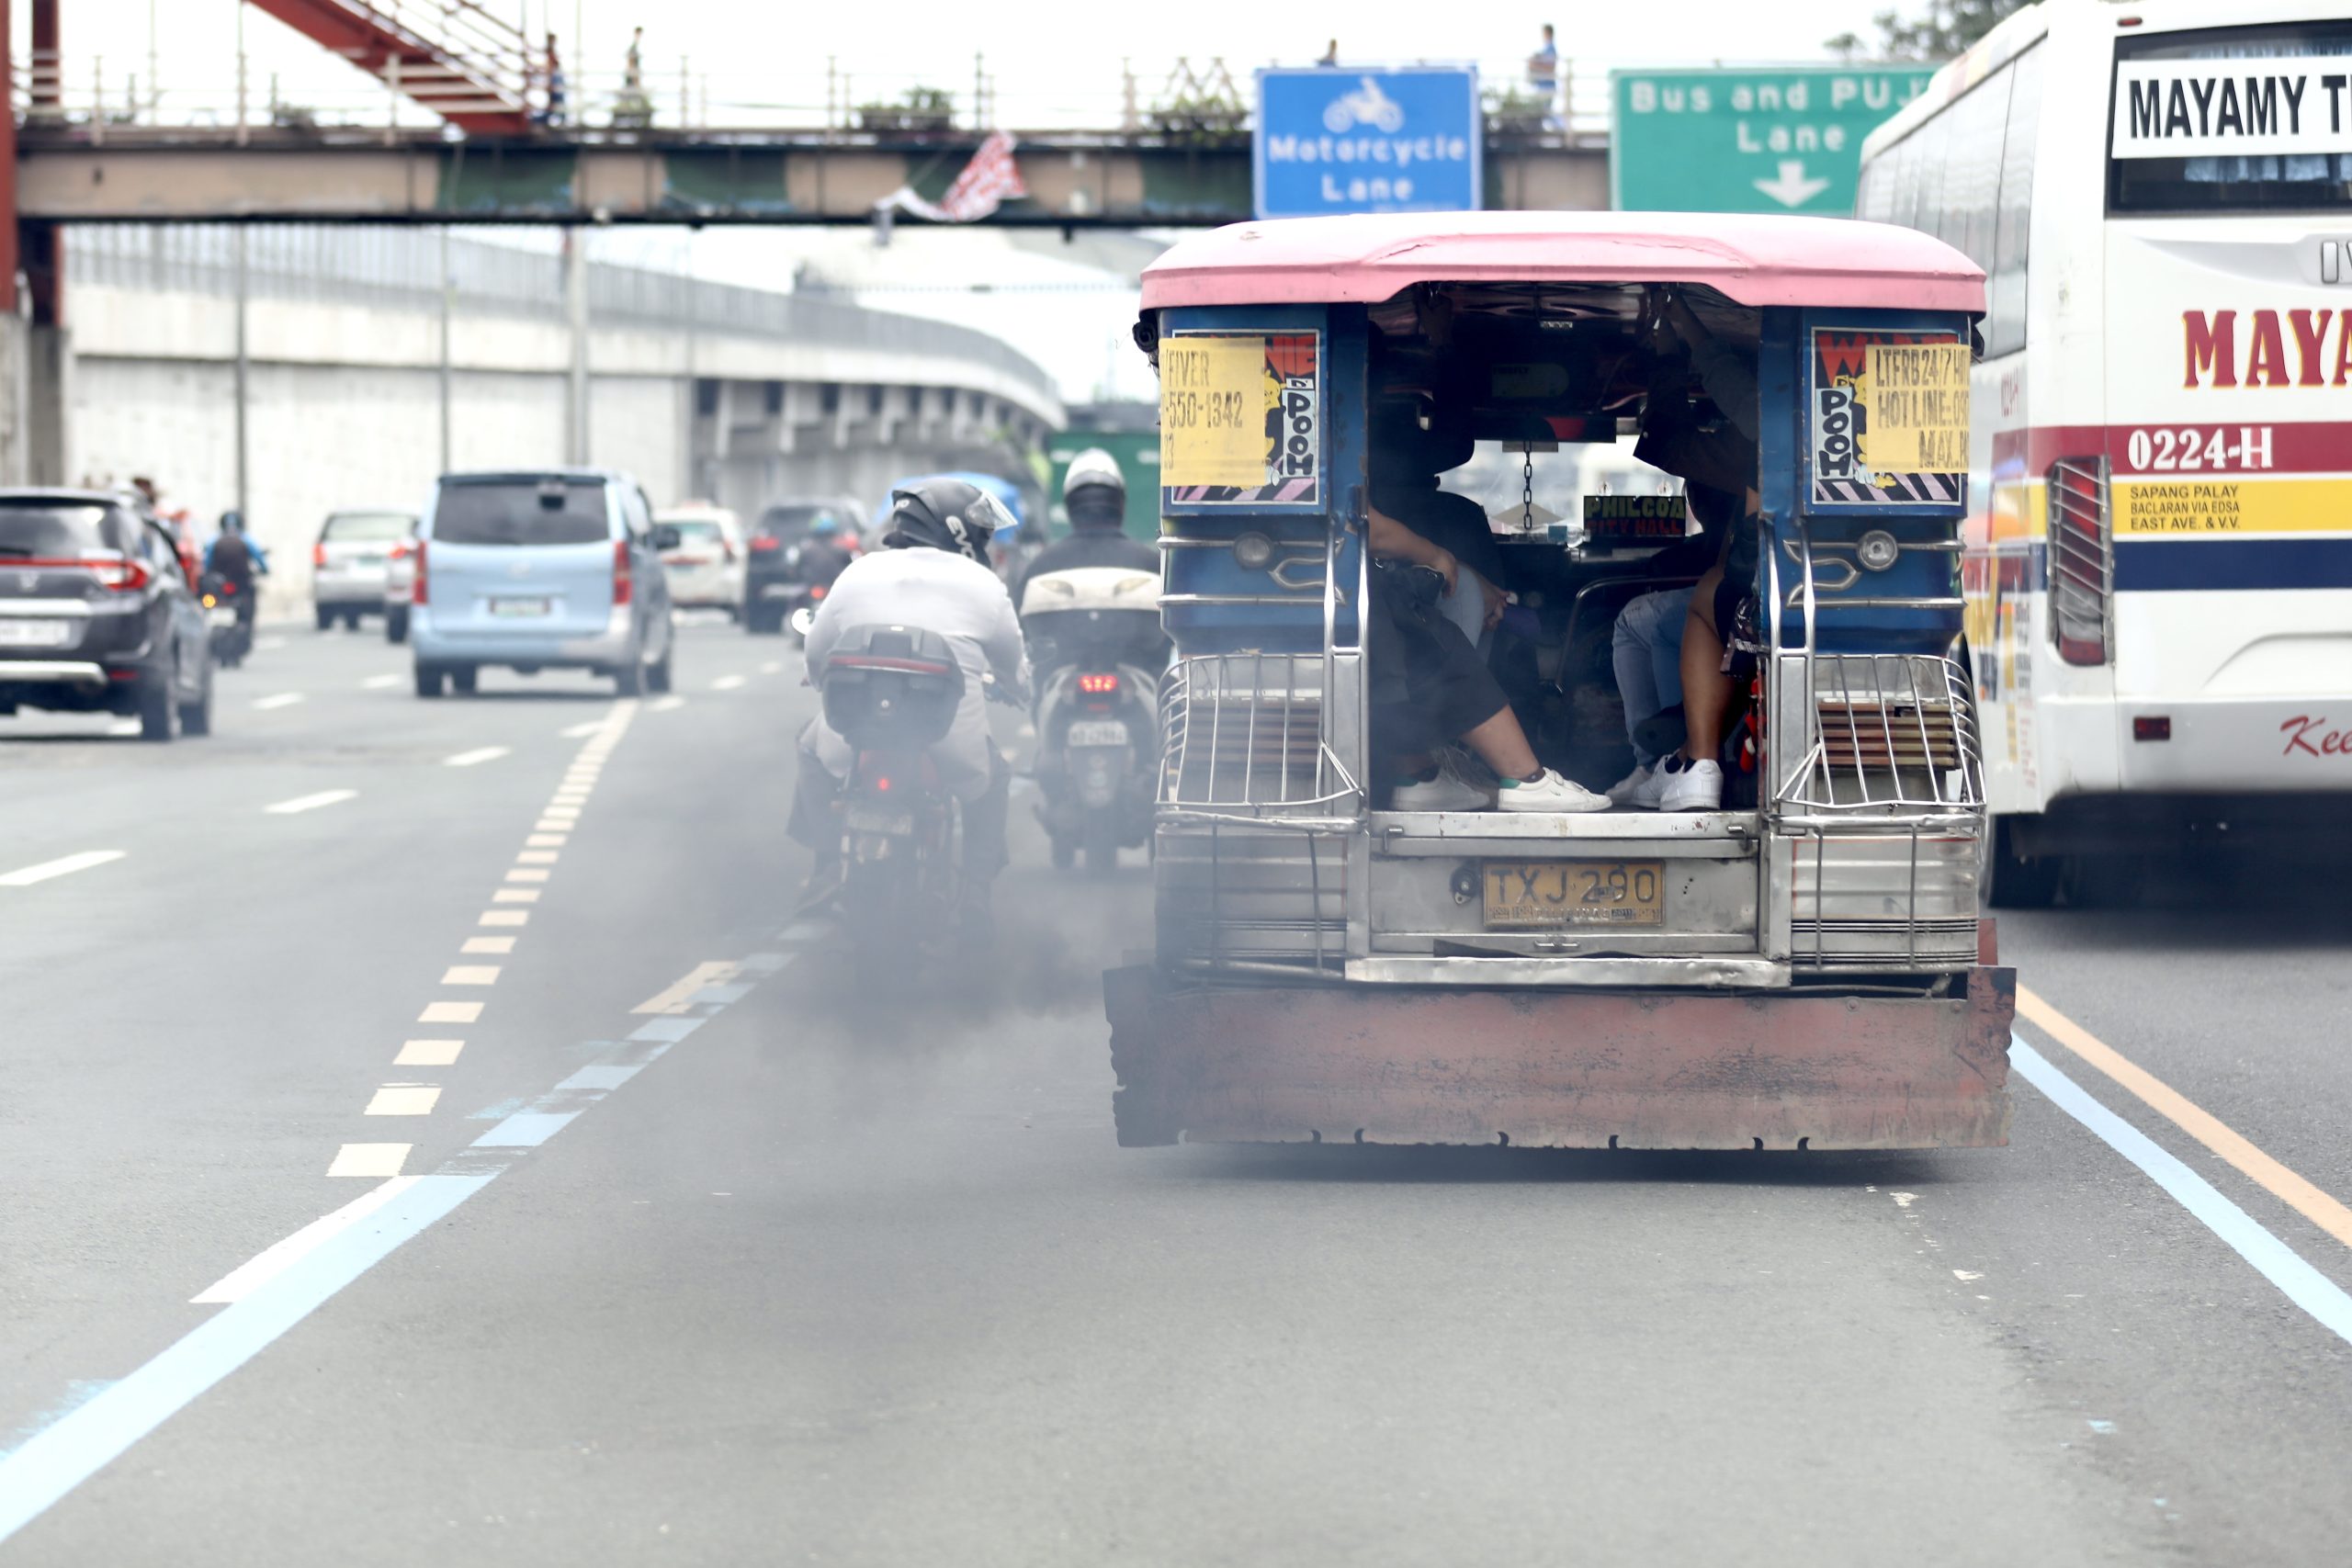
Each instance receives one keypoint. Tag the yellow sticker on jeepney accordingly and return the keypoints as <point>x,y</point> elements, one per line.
<point>1918,408</point>
<point>1213,411</point>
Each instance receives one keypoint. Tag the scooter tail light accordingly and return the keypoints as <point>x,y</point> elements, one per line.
<point>1095,685</point>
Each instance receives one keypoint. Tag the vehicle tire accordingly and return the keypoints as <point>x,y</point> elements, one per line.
<point>351,621</point>
<point>428,678</point>
<point>396,626</point>
<point>195,718</point>
<point>656,676</point>
<point>628,680</point>
<point>463,678</point>
<point>159,710</point>
<point>1101,844</point>
<point>2012,882</point>
<point>2104,882</point>
<point>1065,852</point>
<point>326,618</point>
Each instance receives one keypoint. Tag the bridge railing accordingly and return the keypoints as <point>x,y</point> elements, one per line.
<point>93,96</point>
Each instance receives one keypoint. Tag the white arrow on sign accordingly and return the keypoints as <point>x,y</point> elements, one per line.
<point>1790,188</point>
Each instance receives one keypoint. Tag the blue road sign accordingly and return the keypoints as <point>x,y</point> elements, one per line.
<point>1337,140</point>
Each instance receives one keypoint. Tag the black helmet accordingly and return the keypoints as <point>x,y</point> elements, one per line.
<point>944,514</point>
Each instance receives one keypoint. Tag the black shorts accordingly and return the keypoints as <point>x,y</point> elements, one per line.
<point>1429,685</point>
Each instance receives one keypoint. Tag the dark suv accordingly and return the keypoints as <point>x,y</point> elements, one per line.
<point>97,614</point>
<point>773,587</point>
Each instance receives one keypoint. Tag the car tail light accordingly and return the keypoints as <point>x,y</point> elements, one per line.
<point>817,591</point>
<point>318,554</point>
<point>765,544</point>
<point>624,584</point>
<point>417,592</point>
<point>1095,685</point>
<point>117,573</point>
<point>2152,727</point>
<point>399,551</point>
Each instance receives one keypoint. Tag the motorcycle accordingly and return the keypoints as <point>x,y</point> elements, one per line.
<point>892,692</point>
<point>1094,631</point>
<point>228,613</point>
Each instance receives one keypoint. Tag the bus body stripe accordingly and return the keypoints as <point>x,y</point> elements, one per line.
<point>2309,446</point>
<point>2179,565</point>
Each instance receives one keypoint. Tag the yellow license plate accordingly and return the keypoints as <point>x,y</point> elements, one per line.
<point>1534,895</point>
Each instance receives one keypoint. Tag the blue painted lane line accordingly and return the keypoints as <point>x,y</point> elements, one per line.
<point>2274,1260</point>
<point>669,1030</point>
<point>525,1130</point>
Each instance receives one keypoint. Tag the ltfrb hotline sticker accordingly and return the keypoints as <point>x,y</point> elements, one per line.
<point>1890,419</point>
<point>1240,419</point>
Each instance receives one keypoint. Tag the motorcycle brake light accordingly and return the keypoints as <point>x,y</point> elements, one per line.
<point>1095,684</point>
<point>818,592</point>
<point>882,786</point>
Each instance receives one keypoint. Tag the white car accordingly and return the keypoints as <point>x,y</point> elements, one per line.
<point>347,564</point>
<point>706,569</point>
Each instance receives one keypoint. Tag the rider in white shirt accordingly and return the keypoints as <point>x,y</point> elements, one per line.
<point>932,573</point>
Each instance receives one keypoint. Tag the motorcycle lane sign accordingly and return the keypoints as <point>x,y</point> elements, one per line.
<point>1367,139</point>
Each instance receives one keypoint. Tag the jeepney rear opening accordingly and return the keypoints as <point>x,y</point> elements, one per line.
<point>1799,967</point>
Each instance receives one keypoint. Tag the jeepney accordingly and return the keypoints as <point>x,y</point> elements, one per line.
<point>1804,967</point>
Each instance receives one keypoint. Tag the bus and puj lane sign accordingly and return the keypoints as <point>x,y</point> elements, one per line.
<point>1785,139</point>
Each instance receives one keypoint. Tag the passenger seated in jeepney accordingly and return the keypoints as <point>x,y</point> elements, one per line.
<point>1407,458</point>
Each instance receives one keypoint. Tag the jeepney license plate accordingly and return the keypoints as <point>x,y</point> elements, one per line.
<point>1534,895</point>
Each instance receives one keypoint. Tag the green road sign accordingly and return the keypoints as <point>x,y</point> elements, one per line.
<point>1779,140</point>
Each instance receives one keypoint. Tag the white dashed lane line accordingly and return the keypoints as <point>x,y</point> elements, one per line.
<point>450,1012</point>
<point>727,683</point>
<point>671,704</point>
<point>477,755</point>
<point>282,700</point>
<point>772,667</point>
<point>404,1100</point>
<point>383,683</point>
<point>301,803</point>
<point>64,866</point>
<point>428,1052</point>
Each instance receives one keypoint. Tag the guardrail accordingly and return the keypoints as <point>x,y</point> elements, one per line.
<point>95,96</point>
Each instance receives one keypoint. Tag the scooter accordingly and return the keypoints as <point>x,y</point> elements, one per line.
<point>1095,632</point>
<point>228,612</point>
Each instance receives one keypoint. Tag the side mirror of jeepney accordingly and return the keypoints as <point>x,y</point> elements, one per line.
<point>802,619</point>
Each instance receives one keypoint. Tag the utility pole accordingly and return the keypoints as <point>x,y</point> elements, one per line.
<point>448,287</point>
<point>244,512</point>
<point>575,289</point>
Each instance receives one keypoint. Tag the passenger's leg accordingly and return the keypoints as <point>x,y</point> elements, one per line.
<point>1706,690</point>
<point>1632,654</point>
<point>1503,746</point>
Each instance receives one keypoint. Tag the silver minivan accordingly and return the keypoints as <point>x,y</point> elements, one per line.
<point>545,568</point>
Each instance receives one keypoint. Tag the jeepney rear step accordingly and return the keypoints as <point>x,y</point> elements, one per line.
<point>1339,1063</point>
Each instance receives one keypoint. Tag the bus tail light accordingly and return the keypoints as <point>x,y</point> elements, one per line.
<point>2082,559</point>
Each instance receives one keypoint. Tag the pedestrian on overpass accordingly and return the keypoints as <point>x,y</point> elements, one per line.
<point>551,111</point>
<point>1543,74</point>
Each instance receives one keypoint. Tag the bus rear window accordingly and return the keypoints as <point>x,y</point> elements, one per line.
<point>2233,120</point>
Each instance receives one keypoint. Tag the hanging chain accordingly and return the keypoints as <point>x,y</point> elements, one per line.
<point>1527,492</point>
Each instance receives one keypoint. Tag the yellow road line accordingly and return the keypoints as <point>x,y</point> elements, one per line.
<point>2289,1188</point>
<point>674,997</point>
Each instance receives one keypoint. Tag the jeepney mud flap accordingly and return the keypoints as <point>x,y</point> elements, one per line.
<point>1563,1069</point>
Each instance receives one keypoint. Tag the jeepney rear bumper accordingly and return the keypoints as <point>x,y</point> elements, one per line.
<point>1339,1063</point>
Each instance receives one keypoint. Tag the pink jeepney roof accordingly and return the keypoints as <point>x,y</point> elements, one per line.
<point>1751,259</point>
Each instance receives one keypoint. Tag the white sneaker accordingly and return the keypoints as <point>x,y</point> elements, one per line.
<point>1693,784</point>
<point>1549,793</point>
<point>1626,791</point>
<point>1653,790</point>
<point>1444,793</point>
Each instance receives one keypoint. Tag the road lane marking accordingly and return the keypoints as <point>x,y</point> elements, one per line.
<point>677,995</point>
<point>428,1052</point>
<point>562,813</point>
<point>581,732</point>
<point>558,824</point>
<point>772,667</point>
<point>515,896</point>
<point>527,874</point>
<point>281,700</point>
<point>378,1160</point>
<point>489,944</point>
<point>383,683</point>
<point>63,866</point>
<point>450,1012</point>
<point>2281,1183</point>
<point>266,1265</point>
<point>404,1100</point>
<point>504,917</point>
<point>301,803</point>
<point>727,683</point>
<point>268,644</point>
<point>671,704</point>
<point>2274,1260</point>
<point>472,975</point>
<point>54,1460</point>
<point>536,857</point>
<point>546,841</point>
<point>479,754</point>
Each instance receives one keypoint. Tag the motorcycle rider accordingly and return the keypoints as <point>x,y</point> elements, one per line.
<point>236,559</point>
<point>1094,493</point>
<point>932,572</point>
<point>822,559</point>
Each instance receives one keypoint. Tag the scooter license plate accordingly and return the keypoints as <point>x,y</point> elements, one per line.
<point>1535,895</point>
<point>1097,732</point>
<point>220,617</point>
<point>865,819</point>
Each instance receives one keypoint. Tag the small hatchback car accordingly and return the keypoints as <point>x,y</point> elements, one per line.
<point>556,569</point>
<point>97,616</point>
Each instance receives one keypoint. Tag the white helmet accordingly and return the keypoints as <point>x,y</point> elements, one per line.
<point>1091,468</point>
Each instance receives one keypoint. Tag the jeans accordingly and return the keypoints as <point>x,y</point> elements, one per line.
<point>1647,652</point>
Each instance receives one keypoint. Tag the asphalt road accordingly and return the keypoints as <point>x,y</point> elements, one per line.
<point>743,1269</point>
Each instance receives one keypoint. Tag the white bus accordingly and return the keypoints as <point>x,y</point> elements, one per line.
<point>2158,566</point>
